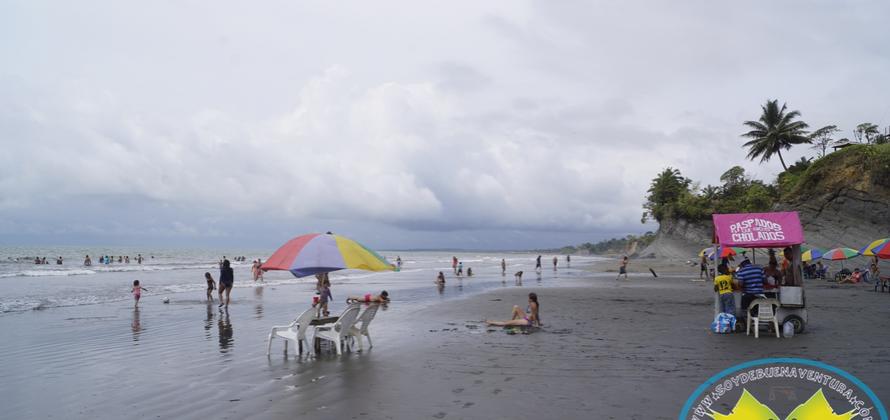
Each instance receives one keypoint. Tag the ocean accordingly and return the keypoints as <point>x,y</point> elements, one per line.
<point>178,273</point>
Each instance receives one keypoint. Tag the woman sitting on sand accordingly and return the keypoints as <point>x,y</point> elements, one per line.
<point>530,317</point>
<point>383,297</point>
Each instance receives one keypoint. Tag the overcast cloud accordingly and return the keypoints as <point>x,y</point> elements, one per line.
<point>403,124</point>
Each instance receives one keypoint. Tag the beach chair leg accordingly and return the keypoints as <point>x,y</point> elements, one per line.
<point>300,347</point>
<point>369,341</point>
<point>756,328</point>
<point>269,347</point>
<point>285,346</point>
<point>748,325</point>
<point>776,326</point>
<point>337,345</point>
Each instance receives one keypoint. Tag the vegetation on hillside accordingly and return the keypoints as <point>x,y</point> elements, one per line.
<point>864,162</point>
<point>612,246</point>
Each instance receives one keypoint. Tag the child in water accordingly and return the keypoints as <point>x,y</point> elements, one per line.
<point>211,285</point>
<point>137,292</point>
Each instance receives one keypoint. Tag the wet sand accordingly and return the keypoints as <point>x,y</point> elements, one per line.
<point>608,349</point>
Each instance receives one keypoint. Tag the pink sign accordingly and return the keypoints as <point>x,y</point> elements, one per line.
<point>758,230</point>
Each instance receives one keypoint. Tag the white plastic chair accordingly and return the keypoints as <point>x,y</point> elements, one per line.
<point>765,313</point>
<point>295,332</point>
<point>339,331</point>
<point>357,331</point>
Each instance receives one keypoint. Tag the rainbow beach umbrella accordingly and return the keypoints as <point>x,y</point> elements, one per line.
<point>322,253</point>
<point>811,254</point>
<point>873,248</point>
<point>840,254</point>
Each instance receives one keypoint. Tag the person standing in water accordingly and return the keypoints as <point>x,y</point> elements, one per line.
<point>226,283</point>
<point>555,261</point>
<point>538,264</point>
<point>503,267</point>
<point>137,292</point>
<point>454,264</point>
<point>211,285</point>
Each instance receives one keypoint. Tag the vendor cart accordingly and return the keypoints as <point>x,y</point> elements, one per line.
<point>779,230</point>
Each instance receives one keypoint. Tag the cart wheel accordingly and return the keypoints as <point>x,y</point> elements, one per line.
<point>797,321</point>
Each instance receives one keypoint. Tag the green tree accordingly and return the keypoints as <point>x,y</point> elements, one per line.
<point>867,131</point>
<point>775,130</point>
<point>665,191</point>
<point>823,137</point>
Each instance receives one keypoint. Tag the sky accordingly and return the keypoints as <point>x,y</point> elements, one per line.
<point>401,124</point>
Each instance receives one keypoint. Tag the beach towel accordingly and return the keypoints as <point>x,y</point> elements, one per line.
<point>723,323</point>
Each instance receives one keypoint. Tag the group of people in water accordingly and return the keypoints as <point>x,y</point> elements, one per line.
<point>106,260</point>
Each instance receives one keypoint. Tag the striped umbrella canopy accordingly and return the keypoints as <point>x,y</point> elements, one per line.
<point>840,254</point>
<point>725,251</point>
<point>811,254</point>
<point>883,252</point>
<point>871,249</point>
<point>322,253</point>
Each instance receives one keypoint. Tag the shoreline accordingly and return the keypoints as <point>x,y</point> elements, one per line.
<point>620,349</point>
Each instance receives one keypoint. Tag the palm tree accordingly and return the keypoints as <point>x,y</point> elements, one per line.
<point>774,131</point>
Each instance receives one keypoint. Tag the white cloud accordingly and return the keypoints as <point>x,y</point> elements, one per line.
<point>510,117</point>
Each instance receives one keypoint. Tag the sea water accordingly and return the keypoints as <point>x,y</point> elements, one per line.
<point>173,272</point>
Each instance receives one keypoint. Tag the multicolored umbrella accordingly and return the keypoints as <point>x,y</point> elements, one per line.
<point>322,253</point>
<point>811,254</point>
<point>874,247</point>
<point>724,251</point>
<point>840,254</point>
<point>883,252</point>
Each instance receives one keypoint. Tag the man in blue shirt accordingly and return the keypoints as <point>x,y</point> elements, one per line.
<point>751,278</point>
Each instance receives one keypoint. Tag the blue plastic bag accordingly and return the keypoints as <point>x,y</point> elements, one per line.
<point>724,323</point>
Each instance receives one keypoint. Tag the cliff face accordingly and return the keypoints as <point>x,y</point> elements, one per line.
<point>679,239</point>
<point>849,216</point>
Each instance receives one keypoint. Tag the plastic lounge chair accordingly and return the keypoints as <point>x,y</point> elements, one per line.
<point>360,328</point>
<point>765,313</point>
<point>339,331</point>
<point>295,332</point>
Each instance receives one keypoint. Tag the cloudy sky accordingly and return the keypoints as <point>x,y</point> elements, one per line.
<point>403,124</point>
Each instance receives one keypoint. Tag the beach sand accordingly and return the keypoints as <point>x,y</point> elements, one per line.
<point>608,349</point>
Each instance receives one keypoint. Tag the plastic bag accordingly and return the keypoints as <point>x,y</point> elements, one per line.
<point>724,323</point>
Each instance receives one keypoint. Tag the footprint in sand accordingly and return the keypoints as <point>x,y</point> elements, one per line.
<point>469,404</point>
<point>496,391</point>
<point>477,381</point>
<point>508,379</point>
<point>440,415</point>
<point>457,390</point>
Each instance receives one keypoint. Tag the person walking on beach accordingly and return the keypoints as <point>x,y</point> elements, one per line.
<point>555,261</point>
<point>723,286</point>
<point>568,260</point>
<point>211,285</point>
<point>703,265</point>
<point>503,267</point>
<point>259,269</point>
<point>398,262</point>
<point>226,282</point>
<point>538,264</point>
<point>622,269</point>
<point>460,268</point>
<point>454,264</point>
<point>137,292</point>
<point>253,271</point>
